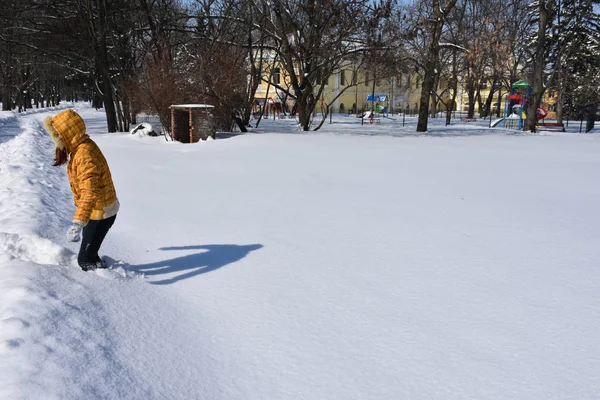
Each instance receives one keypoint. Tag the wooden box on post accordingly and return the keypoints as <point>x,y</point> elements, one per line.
<point>192,122</point>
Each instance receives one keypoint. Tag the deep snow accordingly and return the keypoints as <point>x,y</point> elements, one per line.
<point>359,262</point>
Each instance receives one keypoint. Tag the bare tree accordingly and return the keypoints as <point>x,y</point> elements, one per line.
<point>312,40</point>
<point>544,10</point>
<point>429,28</point>
<point>166,77</point>
<point>230,39</point>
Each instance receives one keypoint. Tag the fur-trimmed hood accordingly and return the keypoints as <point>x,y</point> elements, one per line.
<point>67,129</point>
<point>91,182</point>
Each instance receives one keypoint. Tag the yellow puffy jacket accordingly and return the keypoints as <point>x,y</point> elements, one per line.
<point>93,189</point>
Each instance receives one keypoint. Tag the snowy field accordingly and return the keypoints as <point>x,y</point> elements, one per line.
<point>358,262</point>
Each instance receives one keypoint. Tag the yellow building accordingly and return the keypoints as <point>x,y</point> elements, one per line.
<point>357,90</point>
<point>350,90</point>
<point>347,91</point>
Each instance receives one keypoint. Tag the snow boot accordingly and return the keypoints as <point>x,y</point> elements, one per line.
<point>100,264</point>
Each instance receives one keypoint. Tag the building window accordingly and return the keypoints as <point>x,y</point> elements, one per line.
<point>354,78</point>
<point>343,77</point>
<point>276,75</point>
<point>367,79</point>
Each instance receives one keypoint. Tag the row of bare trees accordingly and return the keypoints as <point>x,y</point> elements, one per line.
<point>132,56</point>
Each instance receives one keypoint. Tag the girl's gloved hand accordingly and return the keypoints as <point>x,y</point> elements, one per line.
<point>74,232</point>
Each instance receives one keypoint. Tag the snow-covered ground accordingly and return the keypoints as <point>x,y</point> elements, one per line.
<point>357,262</point>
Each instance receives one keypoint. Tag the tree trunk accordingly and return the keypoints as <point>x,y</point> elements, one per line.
<point>109,104</point>
<point>305,110</point>
<point>499,110</point>
<point>428,81</point>
<point>489,100</point>
<point>454,88</point>
<point>434,98</point>
<point>36,96</point>
<point>479,103</point>
<point>373,93</point>
<point>6,99</point>
<point>6,103</point>
<point>255,76</point>
<point>538,69</point>
<point>471,99</point>
<point>432,61</point>
<point>560,99</point>
<point>452,102</point>
<point>306,103</point>
<point>106,86</point>
<point>560,107</point>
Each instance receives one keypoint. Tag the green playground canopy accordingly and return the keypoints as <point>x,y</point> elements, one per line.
<point>521,84</point>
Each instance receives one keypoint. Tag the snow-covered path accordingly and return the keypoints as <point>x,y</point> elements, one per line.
<point>318,266</point>
<point>65,334</point>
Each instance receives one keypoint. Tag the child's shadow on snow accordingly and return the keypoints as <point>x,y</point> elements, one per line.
<point>215,256</point>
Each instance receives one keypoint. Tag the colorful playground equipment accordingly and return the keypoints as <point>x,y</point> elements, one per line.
<point>515,107</point>
<point>381,101</point>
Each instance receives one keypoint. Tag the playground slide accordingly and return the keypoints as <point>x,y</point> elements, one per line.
<point>240,124</point>
<point>497,122</point>
<point>541,114</point>
<point>367,114</point>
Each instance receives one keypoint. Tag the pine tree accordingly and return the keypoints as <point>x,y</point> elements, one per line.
<point>576,55</point>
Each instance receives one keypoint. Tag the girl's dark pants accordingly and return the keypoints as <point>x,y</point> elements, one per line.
<point>93,235</point>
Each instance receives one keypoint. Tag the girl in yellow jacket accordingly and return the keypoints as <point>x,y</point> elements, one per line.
<point>93,190</point>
